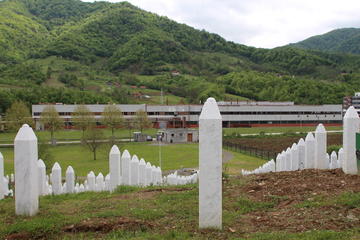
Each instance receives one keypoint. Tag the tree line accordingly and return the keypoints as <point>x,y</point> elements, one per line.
<point>82,119</point>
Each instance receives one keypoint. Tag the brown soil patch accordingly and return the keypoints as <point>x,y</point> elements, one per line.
<point>18,236</point>
<point>105,225</point>
<point>148,193</point>
<point>287,190</point>
<point>279,143</point>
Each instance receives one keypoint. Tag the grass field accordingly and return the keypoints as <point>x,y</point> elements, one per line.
<point>172,213</point>
<point>174,156</point>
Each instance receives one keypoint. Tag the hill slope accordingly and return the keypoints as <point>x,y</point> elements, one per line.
<point>345,40</point>
<point>92,47</point>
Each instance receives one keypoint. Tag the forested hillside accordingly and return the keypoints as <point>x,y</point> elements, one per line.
<point>98,52</point>
<point>344,40</point>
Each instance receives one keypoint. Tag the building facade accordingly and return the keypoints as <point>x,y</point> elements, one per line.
<point>234,114</point>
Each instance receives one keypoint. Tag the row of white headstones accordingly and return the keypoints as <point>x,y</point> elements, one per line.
<point>124,170</point>
<point>209,175</point>
<point>311,153</point>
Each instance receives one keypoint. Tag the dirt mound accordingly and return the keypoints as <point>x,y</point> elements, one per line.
<point>301,201</point>
<point>105,225</point>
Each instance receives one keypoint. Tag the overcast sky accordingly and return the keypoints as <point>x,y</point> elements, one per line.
<point>259,23</point>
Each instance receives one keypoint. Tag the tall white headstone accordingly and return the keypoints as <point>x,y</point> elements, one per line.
<point>2,184</point>
<point>294,155</point>
<point>282,161</point>
<point>42,177</point>
<point>134,171</point>
<point>351,127</point>
<point>210,161</point>
<point>100,184</point>
<point>26,172</point>
<point>278,169</point>
<point>91,181</point>
<point>309,151</point>
<point>56,179</point>
<point>148,174</point>
<point>287,160</point>
<point>70,180</point>
<point>115,170</point>
<point>340,157</point>
<point>301,148</point>
<point>320,148</point>
<point>125,167</point>
<point>142,172</point>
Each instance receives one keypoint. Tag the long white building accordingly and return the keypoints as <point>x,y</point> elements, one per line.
<point>234,114</point>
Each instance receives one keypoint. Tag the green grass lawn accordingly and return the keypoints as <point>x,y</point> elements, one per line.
<point>158,213</point>
<point>241,161</point>
<point>256,130</point>
<point>8,137</point>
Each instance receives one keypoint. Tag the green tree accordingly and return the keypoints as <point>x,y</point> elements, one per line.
<point>92,138</point>
<point>51,120</point>
<point>17,115</point>
<point>82,118</point>
<point>141,120</point>
<point>112,118</point>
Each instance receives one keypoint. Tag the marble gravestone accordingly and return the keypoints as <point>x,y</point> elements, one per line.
<point>142,172</point>
<point>309,151</point>
<point>115,170</point>
<point>70,180</point>
<point>42,177</point>
<point>56,179</point>
<point>125,167</point>
<point>351,127</point>
<point>2,183</point>
<point>210,169</point>
<point>26,172</point>
<point>320,148</point>
<point>134,171</point>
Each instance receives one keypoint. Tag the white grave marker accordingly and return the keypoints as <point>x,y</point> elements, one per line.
<point>210,161</point>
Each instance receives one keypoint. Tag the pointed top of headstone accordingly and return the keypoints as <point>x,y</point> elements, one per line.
<point>294,145</point>
<point>351,113</point>
<point>115,150</point>
<point>125,154</point>
<point>69,169</point>
<point>100,176</point>
<point>1,156</point>
<point>134,158</point>
<point>56,166</point>
<point>41,163</point>
<point>107,177</point>
<point>341,150</point>
<point>333,154</point>
<point>301,142</point>
<point>148,164</point>
<point>320,129</point>
<point>25,133</point>
<point>210,110</point>
<point>142,162</point>
<point>283,152</point>
<point>287,150</point>
<point>278,157</point>
<point>309,137</point>
<point>91,174</point>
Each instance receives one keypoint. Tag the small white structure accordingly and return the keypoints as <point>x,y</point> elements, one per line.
<point>210,161</point>
<point>148,174</point>
<point>294,156</point>
<point>70,180</point>
<point>56,179</point>
<point>100,184</point>
<point>351,127</point>
<point>114,166</point>
<point>125,167</point>
<point>26,172</point>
